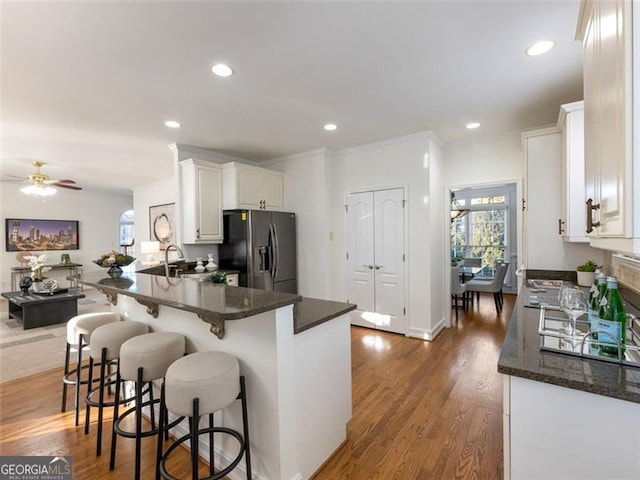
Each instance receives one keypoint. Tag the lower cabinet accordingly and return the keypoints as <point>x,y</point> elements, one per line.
<point>553,432</point>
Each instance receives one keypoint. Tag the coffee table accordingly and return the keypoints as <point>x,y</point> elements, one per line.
<point>33,310</point>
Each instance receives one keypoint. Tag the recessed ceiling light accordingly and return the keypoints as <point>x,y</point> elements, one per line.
<point>539,48</point>
<point>330,127</point>
<point>472,125</point>
<point>222,70</point>
<point>172,124</point>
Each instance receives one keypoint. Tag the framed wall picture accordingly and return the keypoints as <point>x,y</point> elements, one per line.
<point>25,234</point>
<point>162,224</point>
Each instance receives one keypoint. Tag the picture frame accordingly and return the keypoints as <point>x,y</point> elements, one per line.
<point>38,235</point>
<point>162,225</point>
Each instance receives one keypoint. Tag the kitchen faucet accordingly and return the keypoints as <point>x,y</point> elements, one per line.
<point>166,257</point>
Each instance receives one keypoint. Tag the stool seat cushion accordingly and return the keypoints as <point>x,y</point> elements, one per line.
<point>212,377</point>
<point>154,352</point>
<point>113,335</point>
<point>86,323</point>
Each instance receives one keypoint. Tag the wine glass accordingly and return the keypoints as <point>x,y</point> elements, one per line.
<point>563,287</point>
<point>573,303</point>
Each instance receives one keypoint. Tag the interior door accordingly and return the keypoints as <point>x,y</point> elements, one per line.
<point>389,259</point>
<point>375,243</point>
<point>360,289</point>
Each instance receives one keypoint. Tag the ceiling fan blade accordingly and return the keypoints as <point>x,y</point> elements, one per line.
<point>61,181</point>
<point>63,185</point>
<point>15,176</point>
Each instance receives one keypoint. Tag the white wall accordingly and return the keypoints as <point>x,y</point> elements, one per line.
<point>97,212</point>
<point>497,159</point>
<point>401,162</point>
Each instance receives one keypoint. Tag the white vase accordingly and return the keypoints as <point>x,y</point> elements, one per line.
<point>37,286</point>
<point>585,279</point>
<point>211,264</point>
<point>199,267</point>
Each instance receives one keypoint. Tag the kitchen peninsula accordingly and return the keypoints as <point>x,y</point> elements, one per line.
<point>566,416</point>
<point>295,354</point>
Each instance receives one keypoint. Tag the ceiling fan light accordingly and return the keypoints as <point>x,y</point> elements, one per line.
<point>38,190</point>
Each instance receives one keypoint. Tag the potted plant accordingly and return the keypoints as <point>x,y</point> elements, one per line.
<point>586,273</point>
<point>456,261</point>
<point>38,269</point>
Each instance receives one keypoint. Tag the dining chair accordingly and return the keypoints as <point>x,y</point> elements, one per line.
<point>458,291</point>
<point>490,286</point>
<point>472,261</point>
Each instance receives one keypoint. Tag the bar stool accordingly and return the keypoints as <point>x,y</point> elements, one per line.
<point>201,384</point>
<point>143,359</point>
<point>79,330</point>
<point>105,347</point>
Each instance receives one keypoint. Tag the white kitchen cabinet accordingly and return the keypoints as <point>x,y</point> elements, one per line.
<point>558,432</point>
<point>611,108</point>
<point>544,247</point>
<point>572,223</point>
<point>201,201</point>
<point>253,188</point>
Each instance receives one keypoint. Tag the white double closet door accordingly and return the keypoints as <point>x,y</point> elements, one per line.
<point>376,260</point>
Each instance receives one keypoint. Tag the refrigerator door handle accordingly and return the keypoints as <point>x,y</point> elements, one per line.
<point>274,247</point>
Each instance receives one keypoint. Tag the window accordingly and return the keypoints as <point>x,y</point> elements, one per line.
<point>126,228</point>
<point>488,230</point>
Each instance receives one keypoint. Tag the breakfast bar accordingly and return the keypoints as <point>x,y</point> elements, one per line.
<point>294,352</point>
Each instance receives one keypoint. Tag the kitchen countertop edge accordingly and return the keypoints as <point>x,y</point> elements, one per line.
<point>521,356</point>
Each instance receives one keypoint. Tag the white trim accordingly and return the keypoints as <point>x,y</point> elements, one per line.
<point>205,153</point>
<point>568,108</point>
<point>424,334</point>
<point>296,156</point>
<point>538,132</point>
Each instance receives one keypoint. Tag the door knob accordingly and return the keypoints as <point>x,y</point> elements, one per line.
<point>370,267</point>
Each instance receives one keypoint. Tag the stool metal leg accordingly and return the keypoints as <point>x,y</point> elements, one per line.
<point>103,364</point>
<point>89,383</point>
<point>211,449</point>
<point>245,423</point>
<point>195,424</point>
<point>139,388</point>
<point>116,405</point>
<point>67,353</point>
<point>78,378</point>
<point>161,427</point>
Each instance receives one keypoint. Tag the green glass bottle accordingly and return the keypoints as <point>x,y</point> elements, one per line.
<point>596,293</point>
<point>613,319</point>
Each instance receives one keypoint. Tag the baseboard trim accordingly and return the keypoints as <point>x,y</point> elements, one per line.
<point>425,334</point>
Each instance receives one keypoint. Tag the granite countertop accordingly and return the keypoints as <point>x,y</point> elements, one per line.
<point>521,357</point>
<point>310,312</point>
<point>222,301</point>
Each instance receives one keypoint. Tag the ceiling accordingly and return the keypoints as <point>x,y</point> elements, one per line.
<point>86,86</point>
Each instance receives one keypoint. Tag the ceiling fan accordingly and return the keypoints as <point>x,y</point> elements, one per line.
<point>40,184</point>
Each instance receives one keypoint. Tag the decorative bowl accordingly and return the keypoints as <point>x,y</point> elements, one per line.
<point>113,261</point>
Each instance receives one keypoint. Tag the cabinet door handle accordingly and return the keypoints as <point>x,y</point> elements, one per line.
<point>590,208</point>
<point>560,229</point>
<point>198,233</point>
<point>370,267</point>
<point>378,267</point>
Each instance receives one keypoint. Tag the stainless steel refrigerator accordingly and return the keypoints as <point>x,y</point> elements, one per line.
<point>261,245</point>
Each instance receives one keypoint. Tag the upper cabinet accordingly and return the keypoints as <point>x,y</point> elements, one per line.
<point>252,188</point>
<point>573,213</point>
<point>201,201</point>
<point>611,106</point>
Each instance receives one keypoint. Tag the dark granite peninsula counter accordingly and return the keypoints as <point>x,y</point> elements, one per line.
<point>566,416</point>
<point>294,352</point>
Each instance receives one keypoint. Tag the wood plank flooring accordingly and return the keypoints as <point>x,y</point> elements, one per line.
<point>421,410</point>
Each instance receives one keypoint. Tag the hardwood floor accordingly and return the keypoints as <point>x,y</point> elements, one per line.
<point>421,410</point>
<point>426,410</point>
